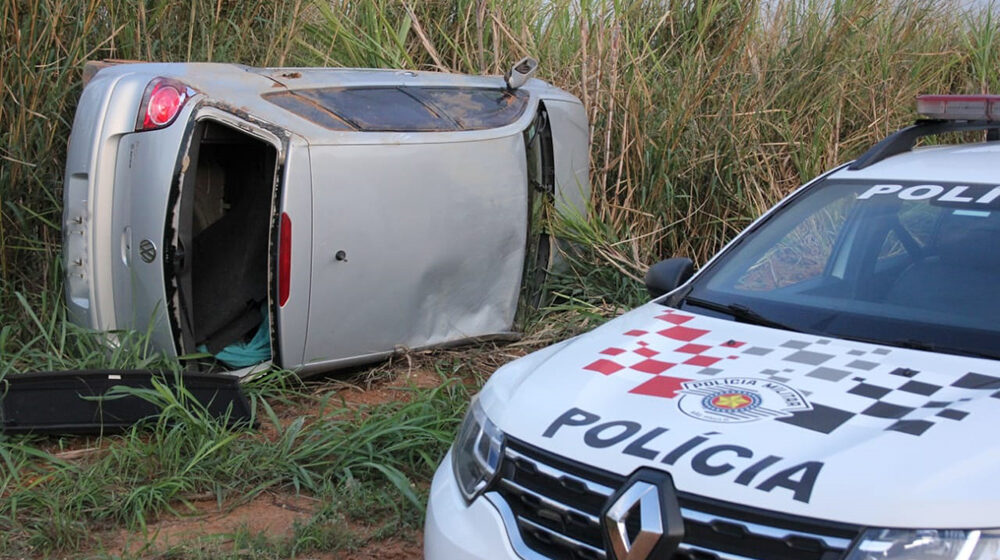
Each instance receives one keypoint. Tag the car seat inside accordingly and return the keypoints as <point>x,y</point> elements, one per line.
<point>225,220</point>
<point>966,248</point>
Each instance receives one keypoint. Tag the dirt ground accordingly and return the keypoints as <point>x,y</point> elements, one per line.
<point>273,519</point>
<point>275,514</point>
<point>272,514</point>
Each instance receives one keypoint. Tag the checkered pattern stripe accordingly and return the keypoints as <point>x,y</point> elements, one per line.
<point>658,361</point>
<point>901,403</point>
<point>669,349</point>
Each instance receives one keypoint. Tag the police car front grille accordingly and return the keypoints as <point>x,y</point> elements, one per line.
<point>552,509</point>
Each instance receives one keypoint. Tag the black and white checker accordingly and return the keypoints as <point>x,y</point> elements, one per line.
<point>904,401</point>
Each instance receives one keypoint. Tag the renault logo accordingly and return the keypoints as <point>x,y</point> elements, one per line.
<point>643,520</point>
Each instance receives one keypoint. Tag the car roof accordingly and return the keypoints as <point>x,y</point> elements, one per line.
<point>961,163</point>
<point>240,88</point>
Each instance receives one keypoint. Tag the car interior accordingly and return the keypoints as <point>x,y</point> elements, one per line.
<point>224,223</point>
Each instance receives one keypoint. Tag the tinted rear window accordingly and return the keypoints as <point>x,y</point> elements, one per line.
<point>404,109</point>
<point>308,110</point>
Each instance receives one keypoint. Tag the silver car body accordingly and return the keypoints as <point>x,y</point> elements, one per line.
<point>397,238</point>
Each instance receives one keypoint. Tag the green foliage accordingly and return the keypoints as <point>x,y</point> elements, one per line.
<point>35,336</point>
<point>372,454</point>
<point>44,46</point>
<point>703,115</point>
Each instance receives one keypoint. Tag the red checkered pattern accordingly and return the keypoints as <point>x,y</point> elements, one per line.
<point>642,357</point>
<point>646,352</point>
<point>607,367</point>
<point>693,348</point>
<point>660,386</point>
<point>675,318</point>
<point>655,367</point>
<point>686,334</point>
<point>702,361</point>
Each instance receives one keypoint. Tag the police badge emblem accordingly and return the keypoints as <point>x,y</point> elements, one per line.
<point>739,399</point>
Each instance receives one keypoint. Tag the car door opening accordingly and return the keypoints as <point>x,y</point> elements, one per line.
<point>224,219</point>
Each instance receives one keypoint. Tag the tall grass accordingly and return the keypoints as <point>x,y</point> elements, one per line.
<point>50,501</point>
<point>703,113</point>
<point>43,48</point>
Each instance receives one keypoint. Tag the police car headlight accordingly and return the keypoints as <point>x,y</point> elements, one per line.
<point>475,455</point>
<point>927,544</point>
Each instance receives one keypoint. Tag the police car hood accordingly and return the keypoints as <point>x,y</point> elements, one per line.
<point>821,427</point>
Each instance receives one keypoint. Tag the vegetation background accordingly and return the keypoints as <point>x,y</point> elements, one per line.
<point>704,113</point>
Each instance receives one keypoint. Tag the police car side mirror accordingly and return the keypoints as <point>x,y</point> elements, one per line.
<point>666,275</point>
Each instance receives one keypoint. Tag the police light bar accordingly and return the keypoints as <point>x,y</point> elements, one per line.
<point>960,107</point>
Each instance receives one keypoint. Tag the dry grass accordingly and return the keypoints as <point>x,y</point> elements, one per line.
<point>703,113</point>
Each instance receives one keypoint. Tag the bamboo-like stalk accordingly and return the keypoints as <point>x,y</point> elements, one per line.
<point>702,113</point>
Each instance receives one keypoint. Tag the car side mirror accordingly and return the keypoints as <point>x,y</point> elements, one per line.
<point>519,74</point>
<point>666,275</point>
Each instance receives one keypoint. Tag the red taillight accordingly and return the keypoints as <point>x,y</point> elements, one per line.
<point>161,103</point>
<point>284,258</point>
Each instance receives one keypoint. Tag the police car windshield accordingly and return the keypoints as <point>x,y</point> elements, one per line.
<point>898,263</point>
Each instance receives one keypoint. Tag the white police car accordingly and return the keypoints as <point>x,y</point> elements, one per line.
<point>826,387</point>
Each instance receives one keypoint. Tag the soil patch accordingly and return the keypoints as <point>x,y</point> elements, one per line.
<point>395,548</point>
<point>204,525</point>
<point>271,514</point>
<point>276,514</point>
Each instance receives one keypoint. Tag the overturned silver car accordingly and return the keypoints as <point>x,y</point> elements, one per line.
<point>313,217</point>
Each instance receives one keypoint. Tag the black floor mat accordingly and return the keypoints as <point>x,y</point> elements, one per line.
<point>70,402</point>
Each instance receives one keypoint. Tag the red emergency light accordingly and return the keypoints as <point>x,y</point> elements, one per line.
<point>960,107</point>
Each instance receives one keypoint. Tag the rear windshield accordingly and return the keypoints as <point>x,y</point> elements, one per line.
<point>909,264</point>
<point>404,109</point>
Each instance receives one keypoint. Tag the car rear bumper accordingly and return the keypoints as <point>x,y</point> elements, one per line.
<point>88,200</point>
<point>455,531</point>
<point>113,199</point>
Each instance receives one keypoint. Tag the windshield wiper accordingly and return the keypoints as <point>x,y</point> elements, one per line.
<point>744,314</point>
<point>914,344</point>
<point>741,313</point>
